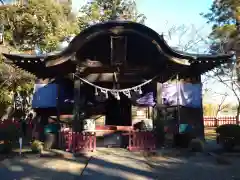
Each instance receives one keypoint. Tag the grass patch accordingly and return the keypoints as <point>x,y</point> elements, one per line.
<point>210,133</point>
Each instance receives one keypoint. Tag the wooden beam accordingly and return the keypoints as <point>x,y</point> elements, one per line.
<point>107,69</point>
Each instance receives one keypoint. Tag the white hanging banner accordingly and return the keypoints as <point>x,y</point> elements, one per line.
<point>185,94</point>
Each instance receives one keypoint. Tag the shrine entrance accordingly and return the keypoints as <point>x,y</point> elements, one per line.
<point>118,112</point>
<point>117,60</point>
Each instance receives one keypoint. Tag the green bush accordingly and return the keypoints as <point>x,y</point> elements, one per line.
<point>229,130</point>
<point>37,146</point>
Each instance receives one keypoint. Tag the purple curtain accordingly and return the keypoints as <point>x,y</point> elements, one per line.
<point>146,100</point>
<point>185,94</point>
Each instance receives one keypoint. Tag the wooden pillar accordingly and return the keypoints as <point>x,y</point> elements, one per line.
<point>58,100</point>
<point>201,123</point>
<point>77,121</point>
<point>150,112</point>
<point>159,93</point>
<point>158,120</point>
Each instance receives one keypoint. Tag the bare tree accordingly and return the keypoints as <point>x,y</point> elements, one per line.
<point>187,38</point>
<point>226,76</point>
<point>220,104</point>
<point>190,39</point>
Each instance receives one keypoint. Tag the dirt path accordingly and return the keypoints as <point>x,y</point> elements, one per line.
<point>33,167</point>
<point>110,163</point>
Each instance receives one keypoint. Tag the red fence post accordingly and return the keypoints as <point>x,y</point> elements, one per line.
<point>215,122</point>
<point>59,139</point>
<point>74,141</point>
<point>95,142</point>
<point>130,141</point>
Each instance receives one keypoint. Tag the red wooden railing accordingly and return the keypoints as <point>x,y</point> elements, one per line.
<point>84,142</point>
<point>7,122</point>
<point>214,122</point>
<point>15,122</point>
<point>65,139</point>
<point>77,142</point>
<point>141,141</point>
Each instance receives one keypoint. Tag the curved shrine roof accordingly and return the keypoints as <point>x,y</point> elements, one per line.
<point>36,65</point>
<point>52,64</point>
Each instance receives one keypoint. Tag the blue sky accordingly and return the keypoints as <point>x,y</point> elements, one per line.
<point>172,12</point>
<point>164,14</point>
<point>175,12</point>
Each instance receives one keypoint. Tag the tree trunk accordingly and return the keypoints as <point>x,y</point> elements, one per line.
<point>238,113</point>
<point>8,112</point>
<point>216,118</point>
<point>237,47</point>
<point>238,65</point>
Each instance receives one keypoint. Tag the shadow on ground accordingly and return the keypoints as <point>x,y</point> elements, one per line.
<point>195,166</point>
<point>110,163</point>
<point>33,167</point>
